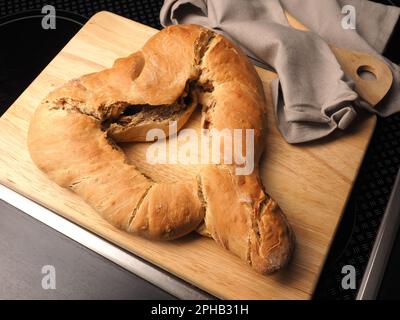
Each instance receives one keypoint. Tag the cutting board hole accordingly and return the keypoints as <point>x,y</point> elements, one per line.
<point>366,73</point>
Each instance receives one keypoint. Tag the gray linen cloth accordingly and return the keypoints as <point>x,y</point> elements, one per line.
<point>312,96</point>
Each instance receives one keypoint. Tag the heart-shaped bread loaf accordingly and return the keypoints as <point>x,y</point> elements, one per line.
<point>74,133</point>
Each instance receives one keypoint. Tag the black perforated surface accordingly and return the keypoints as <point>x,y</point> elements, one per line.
<point>357,230</point>
<point>143,11</point>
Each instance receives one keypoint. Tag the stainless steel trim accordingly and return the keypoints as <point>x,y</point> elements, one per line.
<point>378,260</point>
<point>161,279</point>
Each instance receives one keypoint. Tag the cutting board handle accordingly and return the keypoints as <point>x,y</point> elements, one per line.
<point>357,65</point>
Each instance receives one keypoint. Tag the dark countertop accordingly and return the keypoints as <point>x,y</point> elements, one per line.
<point>26,246</point>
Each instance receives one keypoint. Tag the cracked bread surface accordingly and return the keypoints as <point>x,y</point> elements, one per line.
<point>74,134</point>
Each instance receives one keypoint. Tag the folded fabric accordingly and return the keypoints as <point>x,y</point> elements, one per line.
<point>312,96</point>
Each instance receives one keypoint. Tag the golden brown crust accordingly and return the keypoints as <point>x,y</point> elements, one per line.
<point>73,132</point>
<point>168,211</point>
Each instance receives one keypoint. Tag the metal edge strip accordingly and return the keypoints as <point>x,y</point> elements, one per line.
<point>383,245</point>
<point>159,278</point>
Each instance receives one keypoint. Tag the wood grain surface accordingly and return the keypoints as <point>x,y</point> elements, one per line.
<point>311,182</point>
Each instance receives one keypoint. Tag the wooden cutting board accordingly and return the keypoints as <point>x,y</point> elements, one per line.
<point>311,182</point>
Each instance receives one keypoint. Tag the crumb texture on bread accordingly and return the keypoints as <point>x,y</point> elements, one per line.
<point>74,134</point>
